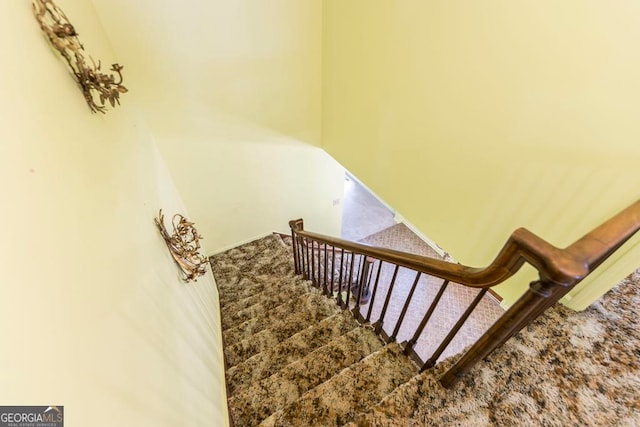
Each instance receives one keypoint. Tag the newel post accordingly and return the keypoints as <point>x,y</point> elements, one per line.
<point>541,295</point>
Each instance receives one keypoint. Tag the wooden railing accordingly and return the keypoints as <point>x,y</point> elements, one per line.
<point>346,270</point>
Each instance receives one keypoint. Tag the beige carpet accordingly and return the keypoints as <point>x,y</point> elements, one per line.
<point>295,359</point>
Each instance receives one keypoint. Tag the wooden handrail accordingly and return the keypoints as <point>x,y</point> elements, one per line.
<point>564,267</point>
<point>560,271</point>
<point>599,244</point>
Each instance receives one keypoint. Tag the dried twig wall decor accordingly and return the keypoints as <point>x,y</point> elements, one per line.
<point>96,86</point>
<point>184,245</point>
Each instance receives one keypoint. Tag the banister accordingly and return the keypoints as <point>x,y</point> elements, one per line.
<point>521,246</point>
<point>560,271</point>
<point>596,246</point>
<point>564,267</point>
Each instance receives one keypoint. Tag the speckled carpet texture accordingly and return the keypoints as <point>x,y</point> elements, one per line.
<point>294,358</point>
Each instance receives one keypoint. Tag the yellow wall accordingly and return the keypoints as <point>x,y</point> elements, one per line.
<point>247,181</point>
<point>475,118</point>
<point>92,314</point>
<point>232,90</point>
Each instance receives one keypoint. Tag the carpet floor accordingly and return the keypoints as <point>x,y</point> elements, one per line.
<point>294,358</point>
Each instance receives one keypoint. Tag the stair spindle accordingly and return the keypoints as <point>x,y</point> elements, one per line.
<point>394,335</point>
<point>339,295</point>
<point>379,323</point>
<point>350,280</point>
<point>445,343</point>
<point>412,342</point>
<point>375,290</point>
<point>324,278</point>
<point>313,264</point>
<point>333,267</point>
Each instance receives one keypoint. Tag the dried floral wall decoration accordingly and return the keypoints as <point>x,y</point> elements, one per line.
<point>97,87</point>
<point>184,245</point>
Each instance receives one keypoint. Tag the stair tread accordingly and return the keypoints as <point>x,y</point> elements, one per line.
<point>424,390</point>
<point>274,358</point>
<point>245,294</point>
<point>257,402</point>
<point>246,289</point>
<point>311,302</point>
<point>230,268</point>
<point>277,332</point>
<point>339,400</point>
<point>264,301</point>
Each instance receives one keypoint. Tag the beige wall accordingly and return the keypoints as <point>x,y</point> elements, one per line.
<point>232,90</point>
<point>92,314</point>
<point>475,118</point>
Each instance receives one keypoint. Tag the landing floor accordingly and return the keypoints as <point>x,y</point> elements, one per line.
<point>363,213</point>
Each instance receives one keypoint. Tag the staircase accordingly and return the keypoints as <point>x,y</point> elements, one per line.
<point>293,356</point>
<point>296,358</point>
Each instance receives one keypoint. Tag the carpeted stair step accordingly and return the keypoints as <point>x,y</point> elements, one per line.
<point>239,299</point>
<point>274,358</point>
<point>248,252</point>
<point>234,314</point>
<point>249,260</point>
<point>244,288</point>
<point>311,302</point>
<point>344,396</point>
<point>284,239</point>
<point>288,242</point>
<point>419,401</point>
<point>247,288</point>
<point>276,333</point>
<point>257,402</point>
